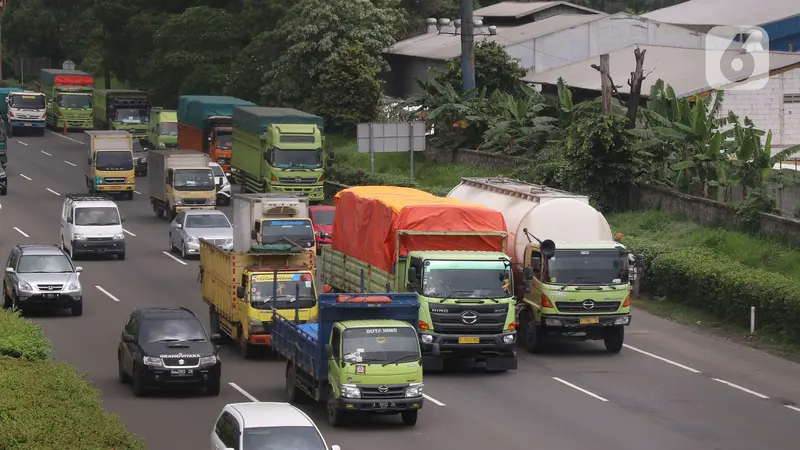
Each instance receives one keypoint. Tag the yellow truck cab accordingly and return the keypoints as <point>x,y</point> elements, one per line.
<point>109,160</point>
<point>179,180</point>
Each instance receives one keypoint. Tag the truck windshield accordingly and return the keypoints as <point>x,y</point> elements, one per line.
<point>27,101</point>
<point>224,141</point>
<point>96,216</point>
<point>193,180</point>
<point>282,437</point>
<point>587,267</point>
<point>283,231</point>
<point>380,344</point>
<point>114,160</point>
<point>168,128</point>
<point>75,101</point>
<point>466,279</point>
<point>262,291</point>
<point>131,115</point>
<point>296,159</point>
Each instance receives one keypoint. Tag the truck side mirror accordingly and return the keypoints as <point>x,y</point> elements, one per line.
<point>215,338</point>
<point>239,291</point>
<point>89,161</point>
<point>527,285</point>
<point>548,248</point>
<point>528,271</point>
<point>436,350</point>
<point>328,351</point>
<point>254,235</point>
<point>331,156</point>
<point>257,226</point>
<point>412,274</point>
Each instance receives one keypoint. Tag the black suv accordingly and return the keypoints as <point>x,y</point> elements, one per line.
<point>166,348</point>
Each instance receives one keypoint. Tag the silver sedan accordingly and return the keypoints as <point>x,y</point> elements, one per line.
<point>192,225</point>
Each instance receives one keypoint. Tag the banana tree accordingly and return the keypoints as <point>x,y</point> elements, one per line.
<point>521,124</point>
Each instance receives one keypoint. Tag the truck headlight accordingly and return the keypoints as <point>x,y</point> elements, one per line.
<point>161,146</point>
<point>508,339</point>
<point>119,236</point>
<point>178,202</point>
<point>25,286</point>
<point>211,201</point>
<point>349,391</point>
<point>255,326</point>
<point>152,361</point>
<point>143,160</point>
<point>426,339</point>
<point>208,360</point>
<point>624,320</point>
<point>415,390</point>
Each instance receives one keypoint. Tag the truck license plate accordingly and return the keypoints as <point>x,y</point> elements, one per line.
<point>383,405</point>
<point>27,124</point>
<point>181,373</point>
<point>589,320</point>
<point>469,340</point>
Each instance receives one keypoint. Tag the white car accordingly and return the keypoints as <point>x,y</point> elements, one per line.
<point>222,183</point>
<point>91,224</point>
<point>266,426</point>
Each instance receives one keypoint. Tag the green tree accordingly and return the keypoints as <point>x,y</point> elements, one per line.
<point>495,69</point>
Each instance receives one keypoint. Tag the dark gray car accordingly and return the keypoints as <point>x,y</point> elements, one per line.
<point>41,276</point>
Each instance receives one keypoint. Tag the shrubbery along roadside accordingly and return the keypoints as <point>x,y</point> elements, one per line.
<point>46,405</point>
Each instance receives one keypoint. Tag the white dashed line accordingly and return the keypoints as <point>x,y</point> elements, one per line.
<point>174,258</point>
<point>433,400</point>
<point>743,389</point>
<point>793,408</point>
<point>48,154</point>
<point>73,165</point>
<point>65,137</point>
<point>668,361</point>
<point>128,232</point>
<point>243,392</point>
<point>25,176</point>
<point>107,293</point>
<point>21,232</point>
<point>23,143</point>
<point>580,389</point>
<point>137,192</point>
<point>53,192</point>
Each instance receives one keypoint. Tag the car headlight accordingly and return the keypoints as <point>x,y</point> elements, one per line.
<point>119,236</point>
<point>152,361</point>
<point>25,286</point>
<point>74,286</point>
<point>349,391</point>
<point>191,239</point>
<point>415,390</point>
<point>78,237</point>
<point>208,360</point>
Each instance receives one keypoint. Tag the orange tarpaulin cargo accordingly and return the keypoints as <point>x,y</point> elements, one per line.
<point>368,217</point>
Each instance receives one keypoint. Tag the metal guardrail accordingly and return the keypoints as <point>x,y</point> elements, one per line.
<point>330,188</point>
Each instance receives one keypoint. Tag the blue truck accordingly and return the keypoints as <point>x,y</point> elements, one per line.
<point>362,355</point>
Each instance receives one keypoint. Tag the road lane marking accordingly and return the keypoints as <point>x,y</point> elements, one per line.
<point>128,232</point>
<point>433,400</point>
<point>48,154</point>
<point>243,392</point>
<point>176,259</point>
<point>23,143</point>
<point>107,293</point>
<point>793,408</point>
<point>137,192</point>
<point>65,137</point>
<point>668,361</point>
<point>21,232</point>
<point>25,176</point>
<point>580,389</point>
<point>743,389</point>
<point>54,192</point>
<point>73,165</point>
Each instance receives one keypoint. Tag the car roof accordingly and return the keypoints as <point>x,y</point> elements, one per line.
<point>271,414</point>
<point>166,313</point>
<point>203,212</point>
<point>102,204</point>
<point>40,249</point>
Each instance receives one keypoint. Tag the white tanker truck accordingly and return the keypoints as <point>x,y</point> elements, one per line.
<point>572,278</point>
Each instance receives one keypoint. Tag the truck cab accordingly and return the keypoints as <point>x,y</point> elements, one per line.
<point>27,110</point>
<point>162,131</point>
<point>70,98</point>
<point>219,141</point>
<point>110,167</point>
<point>122,109</point>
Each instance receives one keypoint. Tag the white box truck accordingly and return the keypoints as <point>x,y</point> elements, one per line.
<point>179,180</point>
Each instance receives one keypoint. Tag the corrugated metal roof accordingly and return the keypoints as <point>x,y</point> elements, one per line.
<point>681,68</point>
<point>726,12</point>
<point>443,47</point>
<point>521,9</point>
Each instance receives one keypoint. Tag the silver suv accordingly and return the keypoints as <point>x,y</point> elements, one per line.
<point>41,276</point>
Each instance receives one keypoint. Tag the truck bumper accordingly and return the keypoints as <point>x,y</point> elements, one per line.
<point>27,124</point>
<point>593,326</point>
<point>77,124</point>
<point>389,405</point>
<point>105,247</point>
<point>111,188</point>
<point>312,192</point>
<point>185,207</point>
<point>260,339</point>
<point>466,345</point>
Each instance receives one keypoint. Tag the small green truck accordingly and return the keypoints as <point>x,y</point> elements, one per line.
<point>124,110</point>
<point>70,96</point>
<point>162,131</point>
<point>278,150</point>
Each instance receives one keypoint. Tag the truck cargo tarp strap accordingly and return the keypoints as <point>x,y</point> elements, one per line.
<point>74,80</point>
<point>371,215</point>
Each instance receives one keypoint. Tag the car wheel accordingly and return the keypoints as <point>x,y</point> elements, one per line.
<point>139,389</point>
<point>123,377</point>
<point>7,301</point>
<point>170,247</point>
<point>4,191</point>
<point>77,309</point>
<point>121,256</point>
<point>183,250</point>
<point>213,390</point>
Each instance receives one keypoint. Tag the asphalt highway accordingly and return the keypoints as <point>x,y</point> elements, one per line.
<point>670,388</point>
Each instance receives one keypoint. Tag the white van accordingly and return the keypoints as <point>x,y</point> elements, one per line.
<point>91,224</point>
<point>222,183</point>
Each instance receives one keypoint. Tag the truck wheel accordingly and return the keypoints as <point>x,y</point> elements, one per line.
<point>293,394</point>
<point>245,348</point>
<point>40,132</point>
<point>409,417</point>
<point>159,212</point>
<point>613,338</point>
<point>533,335</point>
<point>172,214</point>
<point>334,415</point>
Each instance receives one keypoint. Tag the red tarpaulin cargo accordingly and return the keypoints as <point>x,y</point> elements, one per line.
<point>74,80</point>
<point>368,217</point>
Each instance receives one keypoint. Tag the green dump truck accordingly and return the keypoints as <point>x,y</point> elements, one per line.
<point>70,96</point>
<point>278,150</point>
<point>124,110</point>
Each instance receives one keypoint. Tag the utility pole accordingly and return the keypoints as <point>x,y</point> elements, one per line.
<point>467,46</point>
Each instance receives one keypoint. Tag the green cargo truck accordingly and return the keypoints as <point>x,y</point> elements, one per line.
<point>162,132</point>
<point>70,96</point>
<point>124,110</point>
<point>278,150</point>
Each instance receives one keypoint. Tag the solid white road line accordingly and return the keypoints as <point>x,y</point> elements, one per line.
<point>23,143</point>
<point>128,232</point>
<point>48,154</point>
<point>65,137</point>
<point>137,192</point>
<point>25,176</point>
<point>578,388</point>
<point>793,408</point>
<point>73,165</point>
<point>243,392</point>
<point>433,400</point>
<point>176,259</point>
<point>736,386</point>
<point>54,192</point>
<point>661,359</point>
<point>107,293</point>
<point>21,232</point>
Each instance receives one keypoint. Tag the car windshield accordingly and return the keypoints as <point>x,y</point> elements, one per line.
<point>217,171</point>
<point>22,101</point>
<point>323,216</point>
<point>263,292</point>
<point>167,128</point>
<point>132,115</point>
<point>114,160</point>
<point>193,180</point>
<point>282,438</point>
<point>77,101</point>
<point>284,231</point>
<point>207,221</point>
<point>380,344</point>
<point>160,330</point>
<point>97,216</point>
<point>44,264</point>
<point>296,159</point>
<point>224,141</point>
<point>466,279</point>
<point>587,267</point>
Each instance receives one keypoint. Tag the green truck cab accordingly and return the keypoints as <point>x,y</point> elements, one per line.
<point>362,355</point>
<point>162,130</point>
<point>123,110</point>
<point>278,150</point>
<point>70,96</point>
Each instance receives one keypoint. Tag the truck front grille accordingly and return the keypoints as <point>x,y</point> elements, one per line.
<point>375,392</point>
<point>469,319</point>
<point>114,180</point>
<point>297,180</point>
<point>195,201</point>
<point>582,307</point>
